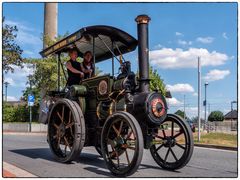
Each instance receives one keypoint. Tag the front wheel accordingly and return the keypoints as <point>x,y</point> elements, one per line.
<point>173,143</point>
<point>66,130</point>
<point>122,144</point>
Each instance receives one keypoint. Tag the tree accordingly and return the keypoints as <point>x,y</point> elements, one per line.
<point>181,114</point>
<point>11,51</point>
<point>156,82</point>
<point>216,116</point>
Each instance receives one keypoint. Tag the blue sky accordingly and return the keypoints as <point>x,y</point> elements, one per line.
<point>178,34</point>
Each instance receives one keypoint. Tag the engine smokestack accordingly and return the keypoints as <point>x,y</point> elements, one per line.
<point>143,52</point>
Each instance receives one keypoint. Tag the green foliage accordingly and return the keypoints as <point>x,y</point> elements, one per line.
<point>11,51</point>
<point>216,116</point>
<point>18,113</point>
<point>156,82</point>
<point>48,41</point>
<point>180,113</point>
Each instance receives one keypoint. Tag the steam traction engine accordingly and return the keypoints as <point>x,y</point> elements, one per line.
<point>117,115</point>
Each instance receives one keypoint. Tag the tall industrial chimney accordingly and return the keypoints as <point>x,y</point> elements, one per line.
<point>50,22</point>
<point>143,52</point>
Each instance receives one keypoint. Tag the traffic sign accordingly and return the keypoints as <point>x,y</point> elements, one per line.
<point>31,99</point>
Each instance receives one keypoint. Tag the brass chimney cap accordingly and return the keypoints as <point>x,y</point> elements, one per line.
<point>142,19</point>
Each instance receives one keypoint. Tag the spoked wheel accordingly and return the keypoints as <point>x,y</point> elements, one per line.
<point>66,130</point>
<point>122,144</point>
<point>173,143</point>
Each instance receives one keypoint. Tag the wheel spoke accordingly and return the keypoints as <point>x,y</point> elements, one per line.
<point>60,117</point>
<point>65,149</point>
<point>178,134</point>
<point>63,114</point>
<point>159,147</point>
<point>164,134</point>
<point>173,154</point>
<point>69,125</point>
<point>165,159</point>
<point>181,146</point>
<point>129,135</point>
<point>115,129</point>
<point>56,126</point>
<point>172,129</point>
<point>127,157</point>
<point>120,129</point>
<point>59,139</point>
<point>65,139</point>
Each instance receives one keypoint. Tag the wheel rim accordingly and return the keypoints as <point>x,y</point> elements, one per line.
<point>172,146</point>
<point>122,144</point>
<point>62,130</point>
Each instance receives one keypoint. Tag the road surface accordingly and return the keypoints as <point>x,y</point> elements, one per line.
<point>31,153</point>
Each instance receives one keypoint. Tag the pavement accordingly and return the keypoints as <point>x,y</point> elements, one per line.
<point>31,154</point>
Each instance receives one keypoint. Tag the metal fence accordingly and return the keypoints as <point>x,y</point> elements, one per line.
<point>225,127</point>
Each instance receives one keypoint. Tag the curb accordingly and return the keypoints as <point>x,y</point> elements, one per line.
<point>217,147</point>
<point>10,171</point>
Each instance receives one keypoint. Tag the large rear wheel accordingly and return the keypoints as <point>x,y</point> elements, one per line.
<point>122,144</point>
<point>173,143</point>
<point>66,130</point>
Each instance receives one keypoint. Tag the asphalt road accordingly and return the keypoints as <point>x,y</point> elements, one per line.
<point>32,154</point>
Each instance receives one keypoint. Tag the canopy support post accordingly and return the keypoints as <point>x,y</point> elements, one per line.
<point>94,56</point>
<point>58,83</point>
<point>112,60</point>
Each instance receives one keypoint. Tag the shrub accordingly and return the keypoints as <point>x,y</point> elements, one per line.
<point>216,116</point>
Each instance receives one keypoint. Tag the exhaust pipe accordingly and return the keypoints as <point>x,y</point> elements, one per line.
<point>143,52</point>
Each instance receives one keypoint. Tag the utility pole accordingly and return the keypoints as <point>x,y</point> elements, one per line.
<point>6,85</point>
<point>50,22</point>
<point>208,108</point>
<point>199,98</point>
<point>232,113</point>
<point>184,106</point>
<point>205,101</point>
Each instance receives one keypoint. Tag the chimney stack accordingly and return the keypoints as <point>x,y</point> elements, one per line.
<point>50,22</point>
<point>143,52</point>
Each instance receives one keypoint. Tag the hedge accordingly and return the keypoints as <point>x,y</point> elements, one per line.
<point>19,113</point>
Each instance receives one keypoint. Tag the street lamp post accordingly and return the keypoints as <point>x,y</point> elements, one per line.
<point>30,107</point>
<point>6,85</point>
<point>232,113</point>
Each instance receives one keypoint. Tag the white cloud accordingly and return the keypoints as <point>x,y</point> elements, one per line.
<point>168,58</point>
<point>173,102</point>
<point>19,77</point>
<point>19,25</point>
<point>179,34</point>
<point>11,98</point>
<point>216,74</point>
<point>180,88</point>
<point>224,35</point>
<point>205,40</point>
<point>158,46</point>
<point>184,43</point>
<point>26,36</point>
<point>10,81</point>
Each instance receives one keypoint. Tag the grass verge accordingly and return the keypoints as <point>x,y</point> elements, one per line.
<point>220,139</point>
